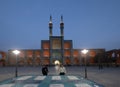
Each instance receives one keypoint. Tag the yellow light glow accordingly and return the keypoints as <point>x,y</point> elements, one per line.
<point>57,62</point>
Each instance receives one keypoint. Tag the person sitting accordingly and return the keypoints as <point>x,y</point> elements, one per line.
<point>45,70</point>
<point>62,70</point>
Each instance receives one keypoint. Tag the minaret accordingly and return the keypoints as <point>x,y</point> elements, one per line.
<point>50,36</point>
<point>62,39</point>
<point>50,26</point>
<point>62,26</point>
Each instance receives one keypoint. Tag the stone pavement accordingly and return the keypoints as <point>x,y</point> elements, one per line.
<point>49,81</point>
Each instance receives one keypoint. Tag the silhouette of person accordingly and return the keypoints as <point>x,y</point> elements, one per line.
<point>45,70</point>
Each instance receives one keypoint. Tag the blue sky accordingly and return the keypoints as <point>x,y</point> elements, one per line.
<point>89,23</point>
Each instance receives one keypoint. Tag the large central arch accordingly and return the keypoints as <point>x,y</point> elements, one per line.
<point>57,62</point>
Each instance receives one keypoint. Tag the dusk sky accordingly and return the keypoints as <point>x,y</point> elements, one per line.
<point>91,24</point>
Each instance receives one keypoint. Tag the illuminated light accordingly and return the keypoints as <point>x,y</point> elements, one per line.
<point>84,51</point>
<point>57,62</point>
<point>16,52</point>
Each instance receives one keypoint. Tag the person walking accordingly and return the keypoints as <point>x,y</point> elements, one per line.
<point>62,70</point>
<point>45,70</point>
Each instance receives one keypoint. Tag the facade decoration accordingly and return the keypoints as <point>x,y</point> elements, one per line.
<point>55,49</point>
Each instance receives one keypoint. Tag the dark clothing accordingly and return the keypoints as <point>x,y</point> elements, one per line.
<point>45,70</point>
<point>62,73</point>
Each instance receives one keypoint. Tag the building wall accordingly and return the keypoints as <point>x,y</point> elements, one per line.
<point>26,57</point>
<point>39,57</point>
<point>3,56</point>
<point>113,56</point>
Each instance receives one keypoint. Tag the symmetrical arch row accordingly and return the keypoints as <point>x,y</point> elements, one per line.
<point>35,57</point>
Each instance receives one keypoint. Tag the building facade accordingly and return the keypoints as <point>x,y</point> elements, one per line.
<point>2,58</point>
<point>113,57</point>
<point>55,49</point>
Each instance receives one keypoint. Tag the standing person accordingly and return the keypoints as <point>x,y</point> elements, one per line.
<point>62,70</point>
<point>45,70</point>
<point>57,66</point>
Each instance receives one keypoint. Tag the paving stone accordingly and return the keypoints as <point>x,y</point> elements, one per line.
<point>50,81</point>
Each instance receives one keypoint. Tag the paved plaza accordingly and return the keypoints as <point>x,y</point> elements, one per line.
<point>49,81</point>
<point>32,77</point>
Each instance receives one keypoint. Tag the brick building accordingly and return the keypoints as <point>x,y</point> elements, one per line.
<point>54,49</point>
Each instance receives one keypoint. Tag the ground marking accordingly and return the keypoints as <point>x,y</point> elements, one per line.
<point>56,78</point>
<point>24,78</point>
<point>56,85</point>
<point>31,85</point>
<point>40,78</point>
<point>7,85</point>
<point>73,78</point>
<point>82,85</point>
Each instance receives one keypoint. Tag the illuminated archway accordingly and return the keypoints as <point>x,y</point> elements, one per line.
<point>57,62</point>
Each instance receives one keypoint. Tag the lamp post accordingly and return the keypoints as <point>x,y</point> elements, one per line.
<point>16,52</point>
<point>85,52</point>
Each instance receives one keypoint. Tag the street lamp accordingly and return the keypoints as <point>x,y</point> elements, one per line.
<point>85,52</point>
<point>16,52</point>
